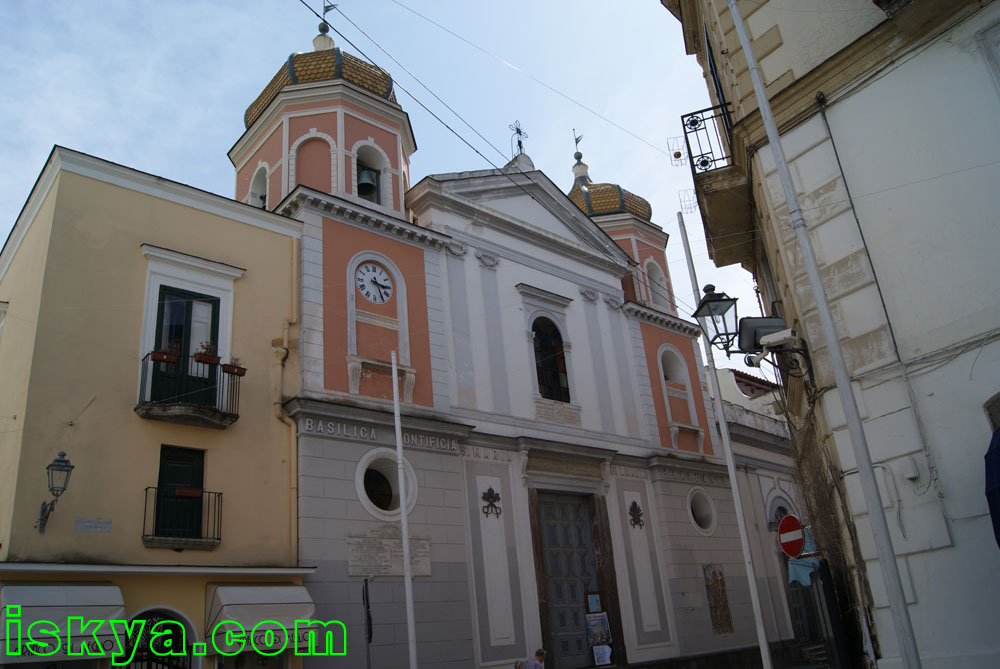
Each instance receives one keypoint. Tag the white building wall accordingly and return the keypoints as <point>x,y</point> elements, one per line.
<point>918,145</point>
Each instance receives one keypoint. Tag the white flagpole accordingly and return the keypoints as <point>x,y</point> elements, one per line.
<point>727,447</point>
<point>401,476</point>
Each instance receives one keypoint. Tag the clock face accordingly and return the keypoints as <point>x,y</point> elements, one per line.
<point>373,283</point>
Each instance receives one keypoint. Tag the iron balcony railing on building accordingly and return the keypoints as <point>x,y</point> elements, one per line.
<point>182,517</point>
<point>191,390</point>
<point>706,133</point>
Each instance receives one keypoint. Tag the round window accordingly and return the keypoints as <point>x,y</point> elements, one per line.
<point>377,484</point>
<point>701,510</point>
<point>379,490</point>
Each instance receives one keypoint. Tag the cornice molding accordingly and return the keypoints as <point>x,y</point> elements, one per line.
<point>851,68</point>
<point>68,569</point>
<point>321,90</point>
<point>303,198</point>
<point>222,270</point>
<point>73,162</point>
<point>662,319</point>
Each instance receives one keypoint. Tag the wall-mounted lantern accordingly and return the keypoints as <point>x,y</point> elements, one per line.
<point>58,471</point>
<point>754,335</point>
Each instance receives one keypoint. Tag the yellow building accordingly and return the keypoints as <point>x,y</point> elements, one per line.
<point>144,334</point>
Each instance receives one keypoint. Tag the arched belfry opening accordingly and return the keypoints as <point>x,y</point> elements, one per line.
<point>371,166</point>
<point>258,188</point>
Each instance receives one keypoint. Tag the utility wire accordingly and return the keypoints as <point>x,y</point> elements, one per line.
<point>417,79</point>
<point>533,78</point>
<point>607,244</point>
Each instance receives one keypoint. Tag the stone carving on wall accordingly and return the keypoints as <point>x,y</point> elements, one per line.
<point>485,453</point>
<point>635,516</point>
<point>487,260</point>
<point>491,497</point>
<point>589,294</point>
<point>630,472</point>
<point>456,249</point>
<point>688,476</point>
<point>613,301</point>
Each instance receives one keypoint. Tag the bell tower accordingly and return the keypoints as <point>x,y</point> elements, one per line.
<point>627,218</point>
<point>329,121</point>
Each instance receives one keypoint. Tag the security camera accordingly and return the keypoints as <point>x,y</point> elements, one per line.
<point>776,339</point>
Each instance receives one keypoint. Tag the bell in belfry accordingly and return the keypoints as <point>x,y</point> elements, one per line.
<point>367,183</point>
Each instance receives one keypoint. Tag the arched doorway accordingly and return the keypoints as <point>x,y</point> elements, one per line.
<point>152,654</point>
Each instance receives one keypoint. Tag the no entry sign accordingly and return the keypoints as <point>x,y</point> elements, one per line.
<point>790,536</point>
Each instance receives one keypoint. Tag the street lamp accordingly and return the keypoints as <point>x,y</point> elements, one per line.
<point>58,471</point>
<point>716,313</point>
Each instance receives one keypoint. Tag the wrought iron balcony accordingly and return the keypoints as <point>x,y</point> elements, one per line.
<point>706,133</point>
<point>189,390</point>
<point>180,517</point>
<point>721,182</point>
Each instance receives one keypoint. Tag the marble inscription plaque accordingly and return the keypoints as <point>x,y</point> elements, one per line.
<point>375,556</point>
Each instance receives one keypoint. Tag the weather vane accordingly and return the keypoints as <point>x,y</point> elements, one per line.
<point>521,135</point>
<point>327,6</point>
<point>576,140</point>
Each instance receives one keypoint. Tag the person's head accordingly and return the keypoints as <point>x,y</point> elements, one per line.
<point>540,654</point>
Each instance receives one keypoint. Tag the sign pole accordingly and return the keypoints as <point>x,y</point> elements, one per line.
<point>404,524</point>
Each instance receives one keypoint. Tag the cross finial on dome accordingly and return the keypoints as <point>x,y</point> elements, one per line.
<point>521,135</point>
<point>580,168</point>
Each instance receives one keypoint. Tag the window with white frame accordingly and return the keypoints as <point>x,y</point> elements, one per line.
<point>550,360</point>
<point>550,350</point>
<point>188,309</point>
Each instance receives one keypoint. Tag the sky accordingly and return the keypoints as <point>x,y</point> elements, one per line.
<point>162,87</point>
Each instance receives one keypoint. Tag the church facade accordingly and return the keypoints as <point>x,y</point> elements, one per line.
<point>565,486</point>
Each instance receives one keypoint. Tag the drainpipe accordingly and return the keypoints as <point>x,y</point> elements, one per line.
<point>866,474</point>
<point>282,352</point>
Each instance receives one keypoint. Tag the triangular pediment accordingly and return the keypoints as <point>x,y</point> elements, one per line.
<point>526,205</point>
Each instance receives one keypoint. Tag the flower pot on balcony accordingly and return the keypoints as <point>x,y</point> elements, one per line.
<point>207,358</point>
<point>163,356</point>
<point>235,370</point>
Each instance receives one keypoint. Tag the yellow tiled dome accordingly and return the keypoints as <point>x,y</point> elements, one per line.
<point>596,199</point>
<point>322,65</point>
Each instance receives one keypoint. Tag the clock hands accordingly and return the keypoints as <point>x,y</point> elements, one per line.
<point>379,287</point>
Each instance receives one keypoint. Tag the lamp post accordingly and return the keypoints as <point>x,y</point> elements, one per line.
<point>720,328</point>
<point>58,472</point>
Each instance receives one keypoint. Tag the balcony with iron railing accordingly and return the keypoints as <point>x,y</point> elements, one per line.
<point>721,184</point>
<point>180,517</point>
<point>189,390</point>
